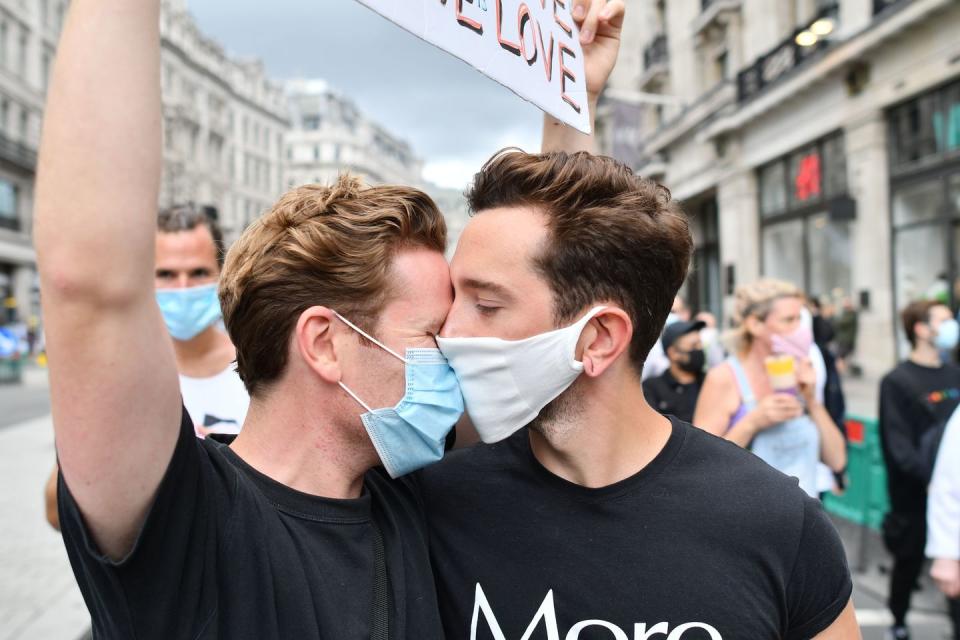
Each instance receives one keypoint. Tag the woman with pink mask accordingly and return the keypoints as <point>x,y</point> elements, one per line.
<point>764,396</point>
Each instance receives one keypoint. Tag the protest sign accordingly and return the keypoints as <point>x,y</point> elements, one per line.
<point>531,47</point>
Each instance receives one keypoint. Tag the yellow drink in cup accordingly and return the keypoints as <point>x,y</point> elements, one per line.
<point>782,371</point>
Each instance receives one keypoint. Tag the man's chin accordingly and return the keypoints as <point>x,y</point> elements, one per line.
<point>561,418</point>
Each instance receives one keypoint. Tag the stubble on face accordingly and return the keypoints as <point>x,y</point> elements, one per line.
<point>562,418</point>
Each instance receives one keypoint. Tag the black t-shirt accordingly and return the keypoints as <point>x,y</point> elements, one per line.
<point>227,552</point>
<point>913,400</point>
<point>671,397</point>
<point>705,543</point>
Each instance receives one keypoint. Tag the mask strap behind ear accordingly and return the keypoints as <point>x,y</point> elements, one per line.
<point>370,338</point>
<point>355,397</point>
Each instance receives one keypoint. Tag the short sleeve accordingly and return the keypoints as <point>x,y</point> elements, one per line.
<point>819,586</point>
<point>143,595</point>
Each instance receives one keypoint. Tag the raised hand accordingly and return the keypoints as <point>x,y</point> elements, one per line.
<point>600,23</point>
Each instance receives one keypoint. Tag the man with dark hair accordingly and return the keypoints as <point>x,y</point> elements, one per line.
<point>675,391</point>
<point>589,514</point>
<point>189,258</point>
<point>916,399</point>
<point>333,299</point>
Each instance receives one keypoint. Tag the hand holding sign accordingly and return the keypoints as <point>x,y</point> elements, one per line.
<point>531,46</point>
<point>602,22</point>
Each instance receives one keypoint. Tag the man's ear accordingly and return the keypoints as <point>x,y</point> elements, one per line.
<point>605,338</point>
<point>313,339</point>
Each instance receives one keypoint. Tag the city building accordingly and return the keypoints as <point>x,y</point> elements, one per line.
<point>224,126</point>
<point>330,136</point>
<point>28,37</point>
<point>812,140</point>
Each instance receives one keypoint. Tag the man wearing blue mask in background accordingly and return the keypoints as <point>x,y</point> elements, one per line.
<point>916,400</point>
<point>189,256</point>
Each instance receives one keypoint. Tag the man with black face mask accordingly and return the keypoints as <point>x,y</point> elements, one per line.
<point>675,391</point>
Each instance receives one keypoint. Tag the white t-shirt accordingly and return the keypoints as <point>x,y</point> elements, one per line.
<point>219,402</point>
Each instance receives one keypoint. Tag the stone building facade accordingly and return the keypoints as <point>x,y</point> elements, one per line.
<point>812,140</point>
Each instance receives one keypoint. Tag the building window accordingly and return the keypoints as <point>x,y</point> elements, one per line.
<point>24,43</point>
<point>924,140</point>
<point>4,42</point>
<point>25,124</point>
<point>805,215</point>
<point>925,130</point>
<point>9,216</point>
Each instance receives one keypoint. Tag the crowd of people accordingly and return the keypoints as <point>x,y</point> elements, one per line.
<point>258,444</point>
<point>778,393</point>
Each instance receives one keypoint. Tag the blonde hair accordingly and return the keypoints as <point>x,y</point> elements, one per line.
<point>319,245</point>
<point>756,300</point>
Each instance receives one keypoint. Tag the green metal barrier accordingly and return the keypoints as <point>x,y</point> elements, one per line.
<point>865,499</point>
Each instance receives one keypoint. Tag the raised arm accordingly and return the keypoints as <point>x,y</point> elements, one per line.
<point>600,24</point>
<point>113,377</point>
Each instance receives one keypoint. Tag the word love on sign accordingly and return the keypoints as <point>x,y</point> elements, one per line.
<point>531,46</point>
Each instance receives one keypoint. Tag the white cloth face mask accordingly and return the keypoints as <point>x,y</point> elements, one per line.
<point>506,383</point>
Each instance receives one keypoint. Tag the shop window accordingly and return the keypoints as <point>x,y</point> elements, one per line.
<point>9,216</point>
<point>829,242</point>
<point>806,177</point>
<point>834,166</point>
<point>921,264</point>
<point>917,203</point>
<point>773,189</point>
<point>783,251</point>
<point>925,128</point>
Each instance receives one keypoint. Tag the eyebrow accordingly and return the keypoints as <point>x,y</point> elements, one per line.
<point>485,285</point>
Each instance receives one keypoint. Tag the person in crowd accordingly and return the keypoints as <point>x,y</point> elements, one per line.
<point>657,361</point>
<point>710,336</point>
<point>332,299</point>
<point>189,256</point>
<point>675,391</point>
<point>823,339</point>
<point>847,326</point>
<point>916,399</point>
<point>588,511</point>
<point>943,520</point>
<point>774,412</point>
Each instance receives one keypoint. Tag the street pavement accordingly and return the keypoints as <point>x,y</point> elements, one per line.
<point>39,599</point>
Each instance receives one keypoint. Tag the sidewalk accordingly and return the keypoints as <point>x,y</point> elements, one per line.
<point>39,598</point>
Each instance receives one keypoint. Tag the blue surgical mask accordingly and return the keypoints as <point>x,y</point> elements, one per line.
<point>413,434</point>
<point>947,335</point>
<point>188,312</point>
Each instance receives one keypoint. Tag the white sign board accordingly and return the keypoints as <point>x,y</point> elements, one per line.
<point>530,46</point>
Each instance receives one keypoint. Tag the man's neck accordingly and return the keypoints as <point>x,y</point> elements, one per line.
<point>205,355</point>
<point>682,376</point>
<point>616,434</point>
<point>926,355</point>
<point>285,438</point>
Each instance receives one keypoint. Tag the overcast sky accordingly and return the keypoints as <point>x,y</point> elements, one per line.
<point>454,117</point>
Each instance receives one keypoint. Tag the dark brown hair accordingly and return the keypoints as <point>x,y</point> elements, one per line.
<point>917,312</point>
<point>614,236</point>
<point>319,245</point>
<point>186,217</point>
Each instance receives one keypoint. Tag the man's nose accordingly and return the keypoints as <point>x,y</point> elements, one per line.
<point>183,281</point>
<point>450,328</point>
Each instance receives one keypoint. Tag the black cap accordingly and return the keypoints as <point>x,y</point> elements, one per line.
<point>673,331</point>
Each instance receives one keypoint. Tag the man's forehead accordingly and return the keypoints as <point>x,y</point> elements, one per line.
<point>499,241</point>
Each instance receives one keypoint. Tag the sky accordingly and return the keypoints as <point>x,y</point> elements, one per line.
<point>454,117</point>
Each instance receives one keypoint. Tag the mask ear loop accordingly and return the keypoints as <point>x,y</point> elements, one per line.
<point>355,397</point>
<point>371,338</point>
<point>374,341</point>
